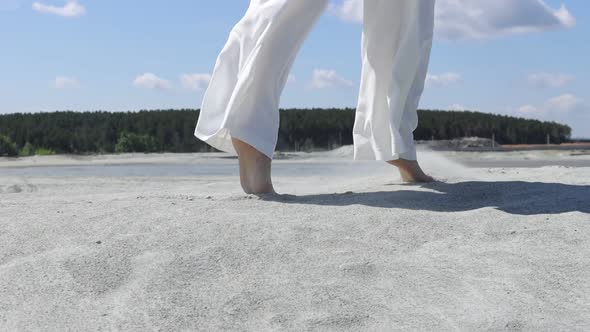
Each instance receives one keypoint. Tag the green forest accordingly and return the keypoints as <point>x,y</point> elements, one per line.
<point>300,130</point>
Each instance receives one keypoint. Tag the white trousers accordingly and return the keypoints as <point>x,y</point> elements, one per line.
<point>243,96</point>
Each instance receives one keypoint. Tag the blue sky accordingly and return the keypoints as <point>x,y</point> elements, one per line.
<point>519,57</point>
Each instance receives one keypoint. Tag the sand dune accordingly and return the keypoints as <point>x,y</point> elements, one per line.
<point>345,250</point>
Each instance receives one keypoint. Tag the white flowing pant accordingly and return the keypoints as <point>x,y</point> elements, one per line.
<point>243,96</point>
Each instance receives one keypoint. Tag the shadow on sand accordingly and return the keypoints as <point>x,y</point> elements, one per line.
<point>514,197</point>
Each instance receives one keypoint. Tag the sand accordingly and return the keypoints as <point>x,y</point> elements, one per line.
<point>347,250</point>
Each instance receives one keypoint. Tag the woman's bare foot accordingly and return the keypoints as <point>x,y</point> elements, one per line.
<point>255,169</point>
<point>410,171</point>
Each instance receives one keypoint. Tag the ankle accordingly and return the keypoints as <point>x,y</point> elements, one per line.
<point>402,162</point>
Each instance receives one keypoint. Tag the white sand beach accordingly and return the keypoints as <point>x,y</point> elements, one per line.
<point>169,243</point>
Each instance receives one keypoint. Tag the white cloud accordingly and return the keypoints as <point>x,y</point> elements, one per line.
<point>197,82</point>
<point>457,107</point>
<point>151,81</point>
<point>63,82</point>
<point>349,10</point>
<point>460,19</point>
<point>566,108</point>
<point>476,19</point>
<point>325,78</point>
<point>563,104</point>
<point>442,80</point>
<point>291,78</point>
<point>70,9</point>
<point>549,80</point>
<point>565,17</point>
<point>528,109</point>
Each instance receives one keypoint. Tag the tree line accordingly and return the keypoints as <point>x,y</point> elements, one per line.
<point>300,130</point>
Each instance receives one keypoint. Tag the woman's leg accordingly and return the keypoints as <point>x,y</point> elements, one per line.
<point>397,39</point>
<point>239,113</point>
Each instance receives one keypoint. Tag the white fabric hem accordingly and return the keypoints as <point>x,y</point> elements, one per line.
<point>222,141</point>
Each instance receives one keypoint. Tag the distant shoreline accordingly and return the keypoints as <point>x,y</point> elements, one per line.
<point>433,145</point>
<point>518,147</point>
<point>577,155</point>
